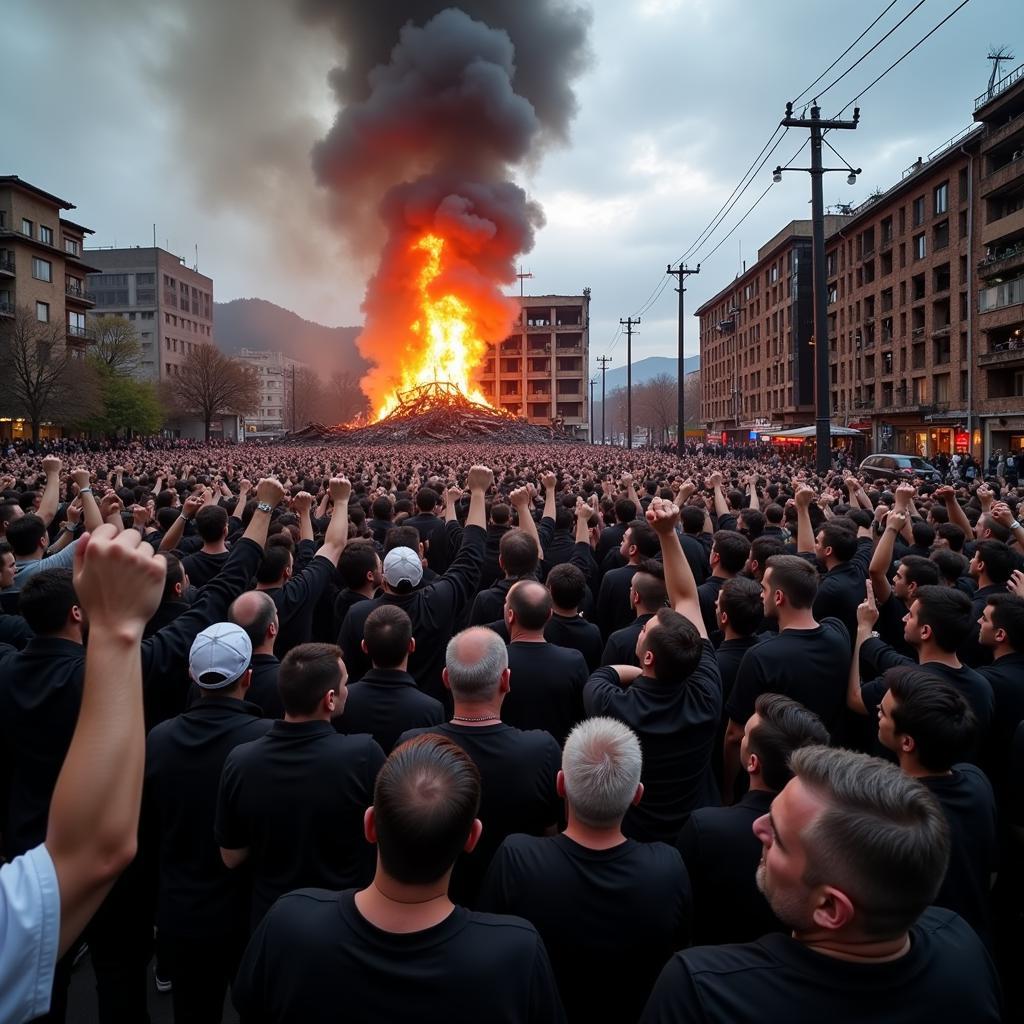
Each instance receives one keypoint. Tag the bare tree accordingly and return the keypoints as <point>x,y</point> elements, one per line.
<point>303,398</point>
<point>344,399</point>
<point>115,343</point>
<point>654,404</point>
<point>691,396</point>
<point>208,383</point>
<point>41,378</point>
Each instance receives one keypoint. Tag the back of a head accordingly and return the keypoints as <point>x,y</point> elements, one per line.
<point>625,510</point>
<point>840,538</point>
<point>402,537</point>
<point>951,564</point>
<point>166,517</point>
<point>272,565</point>
<point>387,632</point>
<point>307,672</point>
<point>796,578</point>
<point>501,514</point>
<point>649,584</point>
<point>253,611</point>
<point>46,599</point>
<point>211,522</point>
<point>425,799</point>
<point>25,533</point>
<point>518,553</point>
<point>783,725</point>
<point>935,713</point>
<point>923,533</point>
<point>692,519</point>
<point>920,570</point>
<point>427,499</point>
<point>676,646</point>
<point>753,522</point>
<point>762,548</point>
<point>952,534</point>
<point>475,660</point>
<point>564,518</point>
<point>382,508</point>
<point>948,612</point>
<point>568,586</point>
<point>732,549</point>
<point>774,514</point>
<point>642,535</point>
<point>883,839</point>
<point>358,560</point>
<point>740,599</point>
<point>1008,615</point>
<point>602,765</point>
<point>175,575</point>
<point>998,559</point>
<point>530,602</point>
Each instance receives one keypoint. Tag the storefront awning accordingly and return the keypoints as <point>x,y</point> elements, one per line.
<point>810,432</point>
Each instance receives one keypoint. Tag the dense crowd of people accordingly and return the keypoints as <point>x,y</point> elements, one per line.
<point>518,733</point>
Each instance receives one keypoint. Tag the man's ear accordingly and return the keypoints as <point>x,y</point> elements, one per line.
<point>363,647</point>
<point>834,909</point>
<point>504,685</point>
<point>412,645</point>
<point>444,679</point>
<point>369,825</point>
<point>560,784</point>
<point>473,838</point>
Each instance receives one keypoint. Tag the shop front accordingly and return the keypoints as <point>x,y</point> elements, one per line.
<point>17,429</point>
<point>1004,433</point>
<point>924,436</point>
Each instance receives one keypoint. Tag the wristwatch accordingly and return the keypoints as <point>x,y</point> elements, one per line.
<point>264,506</point>
<point>1015,525</point>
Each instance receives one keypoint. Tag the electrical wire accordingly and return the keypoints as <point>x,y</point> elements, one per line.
<point>799,96</point>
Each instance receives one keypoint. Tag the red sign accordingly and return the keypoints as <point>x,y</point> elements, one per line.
<point>725,437</point>
<point>962,441</point>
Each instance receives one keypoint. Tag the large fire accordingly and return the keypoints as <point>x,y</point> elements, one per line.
<point>445,342</point>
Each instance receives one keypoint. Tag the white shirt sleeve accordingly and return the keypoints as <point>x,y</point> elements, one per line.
<point>29,935</point>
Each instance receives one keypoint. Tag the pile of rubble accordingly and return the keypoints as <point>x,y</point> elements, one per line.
<point>438,411</point>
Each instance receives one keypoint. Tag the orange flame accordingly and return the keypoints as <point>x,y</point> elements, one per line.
<point>446,344</point>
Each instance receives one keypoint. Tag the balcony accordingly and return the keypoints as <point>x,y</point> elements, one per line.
<point>1005,132</point>
<point>1001,86</point>
<point>917,332</point>
<point>942,332</point>
<point>1005,175</point>
<point>78,294</point>
<point>6,309</point>
<point>999,296</point>
<point>77,332</point>
<point>1003,353</point>
<point>7,264</point>
<point>1002,260</point>
<point>539,328</point>
<point>1011,224</point>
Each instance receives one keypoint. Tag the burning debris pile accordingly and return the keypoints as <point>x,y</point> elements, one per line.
<point>437,411</point>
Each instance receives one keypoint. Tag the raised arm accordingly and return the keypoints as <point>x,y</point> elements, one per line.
<point>336,536</point>
<point>627,482</point>
<point>755,501</point>
<point>50,500</point>
<point>804,533</point>
<point>479,480</point>
<point>90,509</point>
<point>520,499</point>
<point>878,570</point>
<point>682,588</point>
<point>302,503</point>
<point>954,511</point>
<point>92,830</point>
<point>867,616</point>
<point>549,481</point>
<point>721,505</point>
<point>244,486</point>
<point>193,503</point>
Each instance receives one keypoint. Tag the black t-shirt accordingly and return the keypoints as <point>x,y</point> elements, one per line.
<point>729,654</point>
<point>1006,677</point>
<point>808,665</point>
<point>629,905</point>
<point>263,690</point>
<point>578,634</point>
<point>722,853</point>
<point>201,567</point>
<point>966,798</point>
<point>613,608</point>
<point>676,723</point>
<point>621,646</point>
<point>842,589</point>
<point>384,703</point>
<point>517,790</point>
<point>946,977</point>
<point>316,959</point>
<point>296,799</point>
<point>545,688</point>
<point>707,595</point>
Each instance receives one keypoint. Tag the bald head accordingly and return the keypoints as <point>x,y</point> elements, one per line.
<point>530,605</point>
<point>256,613</point>
<point>476,662</point>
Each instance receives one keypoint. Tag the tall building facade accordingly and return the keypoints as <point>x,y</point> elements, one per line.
<point>170,304</point>
<point>925,291</point>
<point>276,374</point>
<point>42,270</point>
<point>540,370</point>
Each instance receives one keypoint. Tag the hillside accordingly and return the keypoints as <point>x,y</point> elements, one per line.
<point>258,324</point>
<point>646,369</point>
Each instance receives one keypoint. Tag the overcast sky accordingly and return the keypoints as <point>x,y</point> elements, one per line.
<point>198,116</point>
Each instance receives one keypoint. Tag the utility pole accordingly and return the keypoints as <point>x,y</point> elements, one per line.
<point>682,273</point>
<point>822,388</point>
<point>593,381</point>
<point>628,324</point>
<point>604,361</point>
<point>294,425</point>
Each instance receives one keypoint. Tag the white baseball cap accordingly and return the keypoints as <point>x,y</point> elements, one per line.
<point>403,565</point>
<point>223,649</point>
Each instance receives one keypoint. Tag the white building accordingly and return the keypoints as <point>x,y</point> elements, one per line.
<point>277,380</point>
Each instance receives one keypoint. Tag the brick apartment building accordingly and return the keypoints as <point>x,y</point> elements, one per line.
<point>925,317</point>
<point>41,271</point>
<point>540,371</point>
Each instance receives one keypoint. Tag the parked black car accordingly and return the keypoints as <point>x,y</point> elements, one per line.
<point>890,466</point>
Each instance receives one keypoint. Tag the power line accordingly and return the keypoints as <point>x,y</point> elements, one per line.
<point>797,98</point>
<point>871,49</point>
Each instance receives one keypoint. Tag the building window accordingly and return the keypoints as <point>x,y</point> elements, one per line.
<point>42,270</point>
<point>46,235</point>
<point>76,324</point>
<point>26,226</point>
<point>920,247</point>
<point>71,246</point>
<point>43,312</point>
<point>918,217</point>
<point>942,198</point>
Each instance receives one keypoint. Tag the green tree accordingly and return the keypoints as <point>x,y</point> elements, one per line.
<point>126,405</point>
<point>114,342</point>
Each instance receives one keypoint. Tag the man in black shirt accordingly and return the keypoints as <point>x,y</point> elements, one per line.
<point>518,558</point>
<point>595,896</point>
<point>385,702</point>
<point>991,566</point>
<point>401,950</point>
<point>673,701</point>
<point>431,528</point>
<point>729,553</point>
<point>212,526</point>
<point>549,680</point>
<point>647,594</point>
<point>567,627</point>
<point>929,726</point>
<point>805,660</point>
<point>202,910</point>
<point>718,843</point>
<point>518,767</point>
<point>291,802</point>
<point>360,569</point>
<point>854,853</point>
<point>613,606</point>
<point>256,613</point>
<point>739,610</point>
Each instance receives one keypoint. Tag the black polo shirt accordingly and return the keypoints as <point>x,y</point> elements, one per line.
<point>676,723</point>
<point>707,595</point>
<point>517,776</point>
<point>628,905</point>
<point>202,567</point>
<point>545,688</point>
<point>263,691</point>
<point>197,895</point>
<point>946,977</point>
<point>1006,677</point>
<point>573,631</point>
<point>729,654</point>
<point>489,604</point>
<point>722,854</point>
<point>613,606</point>
<point>316,959</point>
<point>808,665</point>
<point>841,590</point>
<point>384,703</point>
<point>296,799</point>
<point>621,646</point>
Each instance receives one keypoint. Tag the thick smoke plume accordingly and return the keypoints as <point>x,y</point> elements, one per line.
<point>439,105</point>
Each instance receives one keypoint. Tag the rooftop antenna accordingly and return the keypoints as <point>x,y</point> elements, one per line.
<point>997,55</point>
<point>154,236</point>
